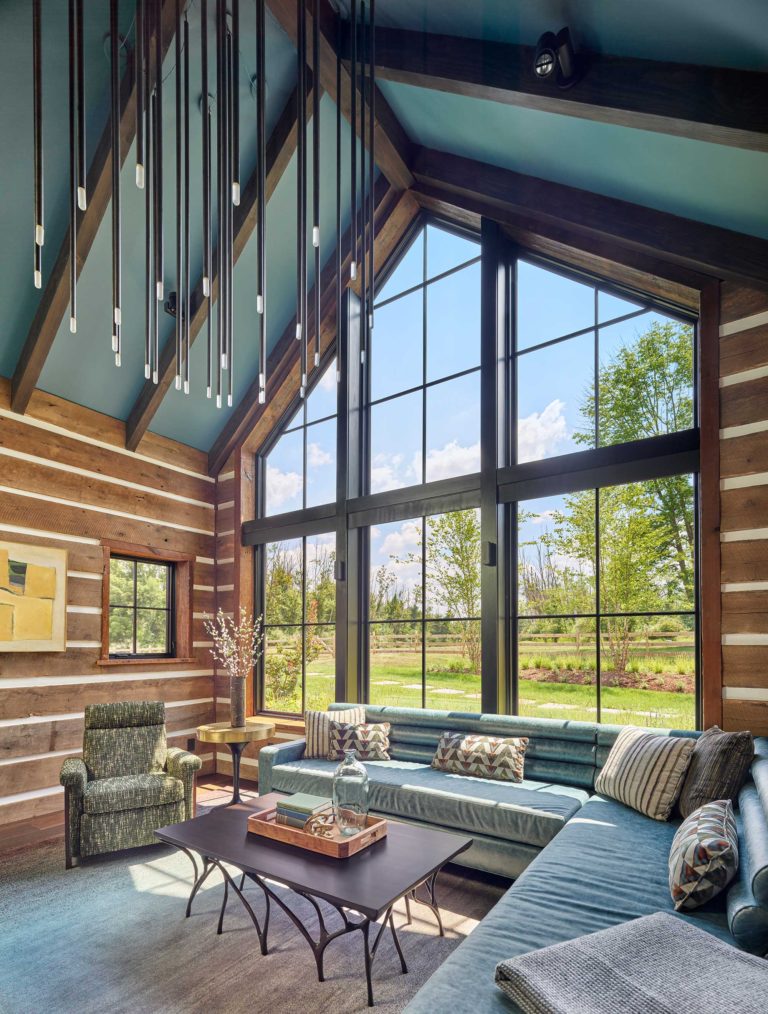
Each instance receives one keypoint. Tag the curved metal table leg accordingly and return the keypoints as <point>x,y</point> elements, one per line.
<point>229,883</point>
<point>199,880</point>
<point>430,902</point>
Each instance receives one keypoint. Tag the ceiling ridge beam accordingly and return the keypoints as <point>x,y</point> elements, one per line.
<point>280,149</point>
<point>55,297</point>
<point>251,422</point>
<point>393,147</point>
<point>509,196</point>
<point>715,104</point>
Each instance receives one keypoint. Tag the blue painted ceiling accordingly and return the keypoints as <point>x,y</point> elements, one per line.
<point>723,186</point>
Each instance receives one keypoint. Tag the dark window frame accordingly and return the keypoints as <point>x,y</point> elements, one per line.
<point>169,609</point>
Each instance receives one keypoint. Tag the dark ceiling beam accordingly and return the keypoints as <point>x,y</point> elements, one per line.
<point>280,149</point>
<point>251,423</point>
<point>393,147</point>
<point>54,301</point>
<point>714,104</point>
<point>507,195</point>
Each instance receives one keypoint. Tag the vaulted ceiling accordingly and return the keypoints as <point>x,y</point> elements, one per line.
<point>672,168</point>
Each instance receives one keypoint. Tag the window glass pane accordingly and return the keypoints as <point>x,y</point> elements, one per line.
<point>648,671</point>
<point>320,579</point>
<point>646,378</point>
<point>121,581</point>
<point>151,632</point>
<point>395,592</point>
<point>396,442</point>
<point>453,323</point>
<point>557,662</point>
<point>320,688</point>
<point>285,474</point>
<point>283,669</point>
<point>120,631</point>
<point>453,428</point>
<point>395,664</point>
<point>322,400</point>
<point>452,649</point>
<point>152,584</point>
<point>610,306</point>
<point>409,272</point>
<point>550,305</point>
<point>321,463</point>
<point>453,566</point>
<point>647,535</point>
<point>282,590</point>
<point>556,555</point>
<point>555,409</point>
<point>446,250</point>
<point>397,355</point>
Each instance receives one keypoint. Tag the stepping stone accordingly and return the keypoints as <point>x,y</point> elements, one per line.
<point>385,683</point>
<point>447,691</point>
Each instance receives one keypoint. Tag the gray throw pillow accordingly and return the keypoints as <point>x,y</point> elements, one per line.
<point>719,767</point>
<point>704,856</point>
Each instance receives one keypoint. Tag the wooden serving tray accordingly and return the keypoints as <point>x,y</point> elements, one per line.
<point>338,847</point>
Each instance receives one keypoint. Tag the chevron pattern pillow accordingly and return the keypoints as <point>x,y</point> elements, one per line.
<point>704,856</point>
<point>318,728</point>
<point>481,756</point>
<point>370,741</point>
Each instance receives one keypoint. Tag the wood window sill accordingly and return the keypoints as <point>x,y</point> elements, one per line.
<point>146,662</point>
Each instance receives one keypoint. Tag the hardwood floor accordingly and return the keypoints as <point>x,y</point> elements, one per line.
<point>212,790</point>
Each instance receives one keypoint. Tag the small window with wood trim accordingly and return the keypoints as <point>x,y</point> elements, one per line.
<point>146,606</point>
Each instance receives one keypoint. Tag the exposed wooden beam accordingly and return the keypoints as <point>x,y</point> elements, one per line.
<point>251,422</point>
<point>55,298</point>
<point>713,104</point>
<point>280,149</point>
<point>510,196</point>
<point>393,147</point>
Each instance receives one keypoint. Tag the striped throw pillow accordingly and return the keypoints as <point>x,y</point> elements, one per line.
<point>318,729</point>
<point>646,771</point>
<point>719,767</point>
<point>704,856</point>
<point>369,741</point>
<point>495,757</point>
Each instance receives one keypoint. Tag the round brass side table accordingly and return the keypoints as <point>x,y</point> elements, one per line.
<point>237,739</point>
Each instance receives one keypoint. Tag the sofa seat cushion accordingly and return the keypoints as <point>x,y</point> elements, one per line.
<point>131,792</point>
<point>527,811</point>
<point>608,865</point>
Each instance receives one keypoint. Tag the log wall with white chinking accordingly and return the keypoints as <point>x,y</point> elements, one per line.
<point>744,506</point>
<point>66,481</point>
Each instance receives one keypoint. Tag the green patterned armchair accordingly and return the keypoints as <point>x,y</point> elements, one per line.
<point>128,783</point>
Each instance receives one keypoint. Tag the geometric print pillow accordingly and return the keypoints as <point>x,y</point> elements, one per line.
<point>704,856</point>
<point>482,756</point>
<point>369,741</point>
<point>317,726</point>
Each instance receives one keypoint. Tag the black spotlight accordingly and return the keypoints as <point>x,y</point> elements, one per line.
<point>555,59</point>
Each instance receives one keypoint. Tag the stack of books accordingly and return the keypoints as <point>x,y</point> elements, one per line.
<point>295,811</point>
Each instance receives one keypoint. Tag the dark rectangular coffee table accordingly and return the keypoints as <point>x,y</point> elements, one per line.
<point>362,889</point>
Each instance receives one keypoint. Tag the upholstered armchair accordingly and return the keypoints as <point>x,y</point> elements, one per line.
<point>128,783</point>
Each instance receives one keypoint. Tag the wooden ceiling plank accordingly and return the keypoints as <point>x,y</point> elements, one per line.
<point>714,104</point>
<point>53,304</point>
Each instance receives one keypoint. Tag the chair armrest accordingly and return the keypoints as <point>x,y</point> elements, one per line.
<point>74,776</point>
<point>182,764</point>
<point>277,753</point>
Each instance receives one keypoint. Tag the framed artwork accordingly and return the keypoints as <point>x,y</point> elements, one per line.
<point>33,598</point>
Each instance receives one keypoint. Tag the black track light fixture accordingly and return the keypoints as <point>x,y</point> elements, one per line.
<point>556,61</point>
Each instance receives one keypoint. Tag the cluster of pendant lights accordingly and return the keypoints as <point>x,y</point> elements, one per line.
<point>218,269</point>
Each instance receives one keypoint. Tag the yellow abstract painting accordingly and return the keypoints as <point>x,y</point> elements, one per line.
<point>33,598</point>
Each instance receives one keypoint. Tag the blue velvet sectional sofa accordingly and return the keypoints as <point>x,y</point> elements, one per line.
<point>580,862</point>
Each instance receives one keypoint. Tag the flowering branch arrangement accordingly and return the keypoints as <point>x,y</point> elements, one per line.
<point>237,647</point>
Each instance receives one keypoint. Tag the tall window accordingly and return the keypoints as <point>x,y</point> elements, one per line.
<point>425,365</point>
<point>141,608</point>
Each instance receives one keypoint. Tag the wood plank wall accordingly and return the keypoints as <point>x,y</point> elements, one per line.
<point>66,481</point>
<point>744,506</point>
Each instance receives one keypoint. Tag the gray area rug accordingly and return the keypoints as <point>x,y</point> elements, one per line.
<point>111,936</point>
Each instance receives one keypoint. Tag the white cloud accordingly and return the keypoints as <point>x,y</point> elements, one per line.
<point>282,487</point>
<point>328,380</point>
<point>540,433</point>
<point>402,541</point>
<point>387,472</point>
<point>453,459</point>
<point>317,456</point>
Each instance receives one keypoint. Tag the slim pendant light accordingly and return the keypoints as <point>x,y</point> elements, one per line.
<point>149,284</point>
<point>37,62</point>
<point>229,204</point>
<point>353,145</point>
<point>156,229</point>
<point>338,198</point>
<point>72,166</point>
<point>262,197</point>
<point>186,316</point>
<point>207,288</point>
<point>140,94</point>
<point>114,51</point>
<point>316,167</point>
<point>301,191</point>
<point>179,200</point>
<point>363,205</point>
<point>371,158</point>
<point>81,191</point>
<point>220,351</point>
<point>206,154</point>
<point>158,160</point>
<point>235,91</point>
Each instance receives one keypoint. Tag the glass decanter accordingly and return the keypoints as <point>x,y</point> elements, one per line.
<point>350,795</point>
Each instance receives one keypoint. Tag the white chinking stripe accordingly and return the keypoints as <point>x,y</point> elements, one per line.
<point>744,430</point>
<point>744,586</point>
<point>756,373</point>
<point>226,560</point>
<point>204,587</point>
<point>744,324</point>
<point>104,510</point>
<point>89,610</point>
<point>225,505</point>
<point>34,459</point>
<point>83,644</point>
<point>745,639</point>
<point>69,716</point>
<point>94,442</point>
<point>40,533</point>
<point>745,694</point>
<point>85,575</point>
<point>745,481</point>
<point>223,476</point>
<point>25,682</point>
<point>745,535</point>
<point>208,561</point>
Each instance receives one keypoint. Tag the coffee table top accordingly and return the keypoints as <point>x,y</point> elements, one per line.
<point>368,882</point>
